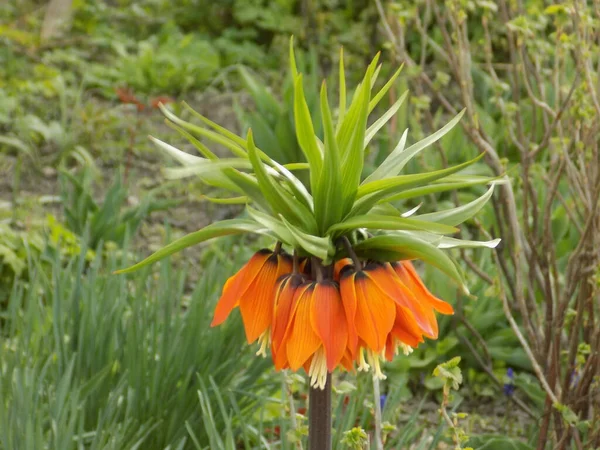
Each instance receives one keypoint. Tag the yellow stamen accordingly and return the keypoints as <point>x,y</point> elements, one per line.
<point>362,364</point>
<point>399,345</point>
<point>318,369</point>
<point>406,349</point>
<point>263,340</point>
<point>374,359</point>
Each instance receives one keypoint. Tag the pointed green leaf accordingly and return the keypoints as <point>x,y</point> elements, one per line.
<point>384,222</point>
<point>353,157</point>
<point>280,200</point>
<point>328,207</point>
<point>386,188</point>
<point>293,66</point>
<point>342,104</point>
<point>375,75</point>
<point>275,225</point>
<point>347,126</point>
<point>218,128</point>
<point>305,132</point>
<point>227,201</point>
<point>388,209</point>
<point>297,187</point>
<point>218,229</point>
<point>442,186</point>
<point>203,149</point>
<point>355,114</point>
<point>377,98</point>
<point>458,215</point>
<point>213,177</point>
<point>449,242</point>
<point>410,212</point>
<point>401,182</point>
<point>215,137</point>
<point>247,185</point>
<point>379,123</point>
<point>180,156</point>
<point>385,209</point>
<point>296,166</point>
<point>207,167</point>
<point>321,247</point>
<point>396,160</point>
<point>446,242</point>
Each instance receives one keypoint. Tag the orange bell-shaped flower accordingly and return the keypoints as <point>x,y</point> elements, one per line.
<point>252,288</point>
<point>316,336</point>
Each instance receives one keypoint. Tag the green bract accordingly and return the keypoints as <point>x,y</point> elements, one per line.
<point>336,201</point>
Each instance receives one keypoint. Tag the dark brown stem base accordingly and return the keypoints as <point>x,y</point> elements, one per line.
<point>319,417</point>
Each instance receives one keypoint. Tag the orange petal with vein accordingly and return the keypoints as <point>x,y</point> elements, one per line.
<point>375,313</point>
<point>388,281</point>
<point>256,305</point>
<point>237,285</point>
<point>302,341</point>
<point>347,361</point>
<point>284,300</point>
<point>409,276</point>
<point>280,358</point>
<point>348,293</point>
<point>405,328</point>
<point>329,321</point>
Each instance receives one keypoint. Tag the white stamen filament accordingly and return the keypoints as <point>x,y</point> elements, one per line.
<point>318,369</point>
<point>406,349</point>
<point>401,346</point>
<point>374,359</point>
<point>362,364</point>
<point>263,340</point>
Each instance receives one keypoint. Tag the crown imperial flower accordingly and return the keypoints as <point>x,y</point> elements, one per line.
<point>339,289</point>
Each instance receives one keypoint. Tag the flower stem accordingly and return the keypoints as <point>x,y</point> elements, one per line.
<point>318,269</point>
<point>377,408</point>
<point>351,254</point>
<point>319,417</point>
<point>295,262</point>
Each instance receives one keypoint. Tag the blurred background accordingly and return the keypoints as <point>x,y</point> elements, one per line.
<point>89,360</point>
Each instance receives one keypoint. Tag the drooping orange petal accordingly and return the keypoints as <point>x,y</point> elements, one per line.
<point>302,341</point>
<point>237,285</point>
<point>306,365</point>
<point>409,276</point>
<point>375,313</point>
<point>422,311</point>
<point>388,281</point>
<point>347,361</point>
<point>329,321</point>
<point>280,358</point>
<point>390,347</point>
<point>348,293</point>
<point>256,305</point>
<point>284,297</point>
<point>405,327</point>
